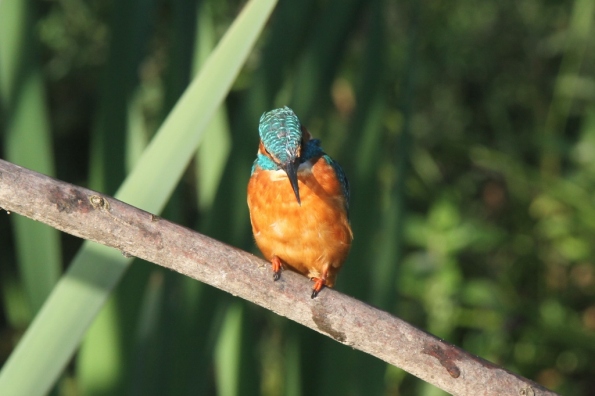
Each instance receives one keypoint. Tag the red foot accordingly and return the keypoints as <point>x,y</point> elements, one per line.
<point>276,261</point>
<point>318,285</point>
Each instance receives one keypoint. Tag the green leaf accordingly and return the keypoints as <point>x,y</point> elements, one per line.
<point>57,330</point>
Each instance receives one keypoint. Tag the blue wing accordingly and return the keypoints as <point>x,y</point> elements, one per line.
<point>342,179</point>
<point>312,150</point>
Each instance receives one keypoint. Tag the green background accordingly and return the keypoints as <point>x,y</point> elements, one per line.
<point>467,131</point>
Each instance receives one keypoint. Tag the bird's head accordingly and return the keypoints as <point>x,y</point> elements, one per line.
<point>281,139</point>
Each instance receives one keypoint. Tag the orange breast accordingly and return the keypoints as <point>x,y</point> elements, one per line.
<point>312,238</point>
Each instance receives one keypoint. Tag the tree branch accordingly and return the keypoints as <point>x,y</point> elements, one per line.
<point>91,215</point>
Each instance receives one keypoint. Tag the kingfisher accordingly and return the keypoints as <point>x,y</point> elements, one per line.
<point>298,198</point>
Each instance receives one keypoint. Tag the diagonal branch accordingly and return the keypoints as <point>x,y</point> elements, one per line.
<point>90,215</point>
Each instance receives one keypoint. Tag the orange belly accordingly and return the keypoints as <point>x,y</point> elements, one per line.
<point>312,239</point>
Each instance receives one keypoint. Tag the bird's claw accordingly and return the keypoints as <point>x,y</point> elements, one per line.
<point>276,261</point>
<point>319,283</point>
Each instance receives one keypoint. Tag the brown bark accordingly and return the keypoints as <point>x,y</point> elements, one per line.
<point>91,215</point>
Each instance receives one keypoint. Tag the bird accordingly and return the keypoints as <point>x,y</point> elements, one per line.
<point>298,199</point>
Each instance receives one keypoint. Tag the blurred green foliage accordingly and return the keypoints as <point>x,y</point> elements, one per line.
<point>467,131</point>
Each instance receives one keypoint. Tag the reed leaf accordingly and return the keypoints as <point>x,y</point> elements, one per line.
<point>56,331</point>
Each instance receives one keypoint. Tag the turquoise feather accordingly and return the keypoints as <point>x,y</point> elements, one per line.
<point>280,132</point>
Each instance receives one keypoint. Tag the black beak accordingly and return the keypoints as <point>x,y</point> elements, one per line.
<point>291,169</point>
